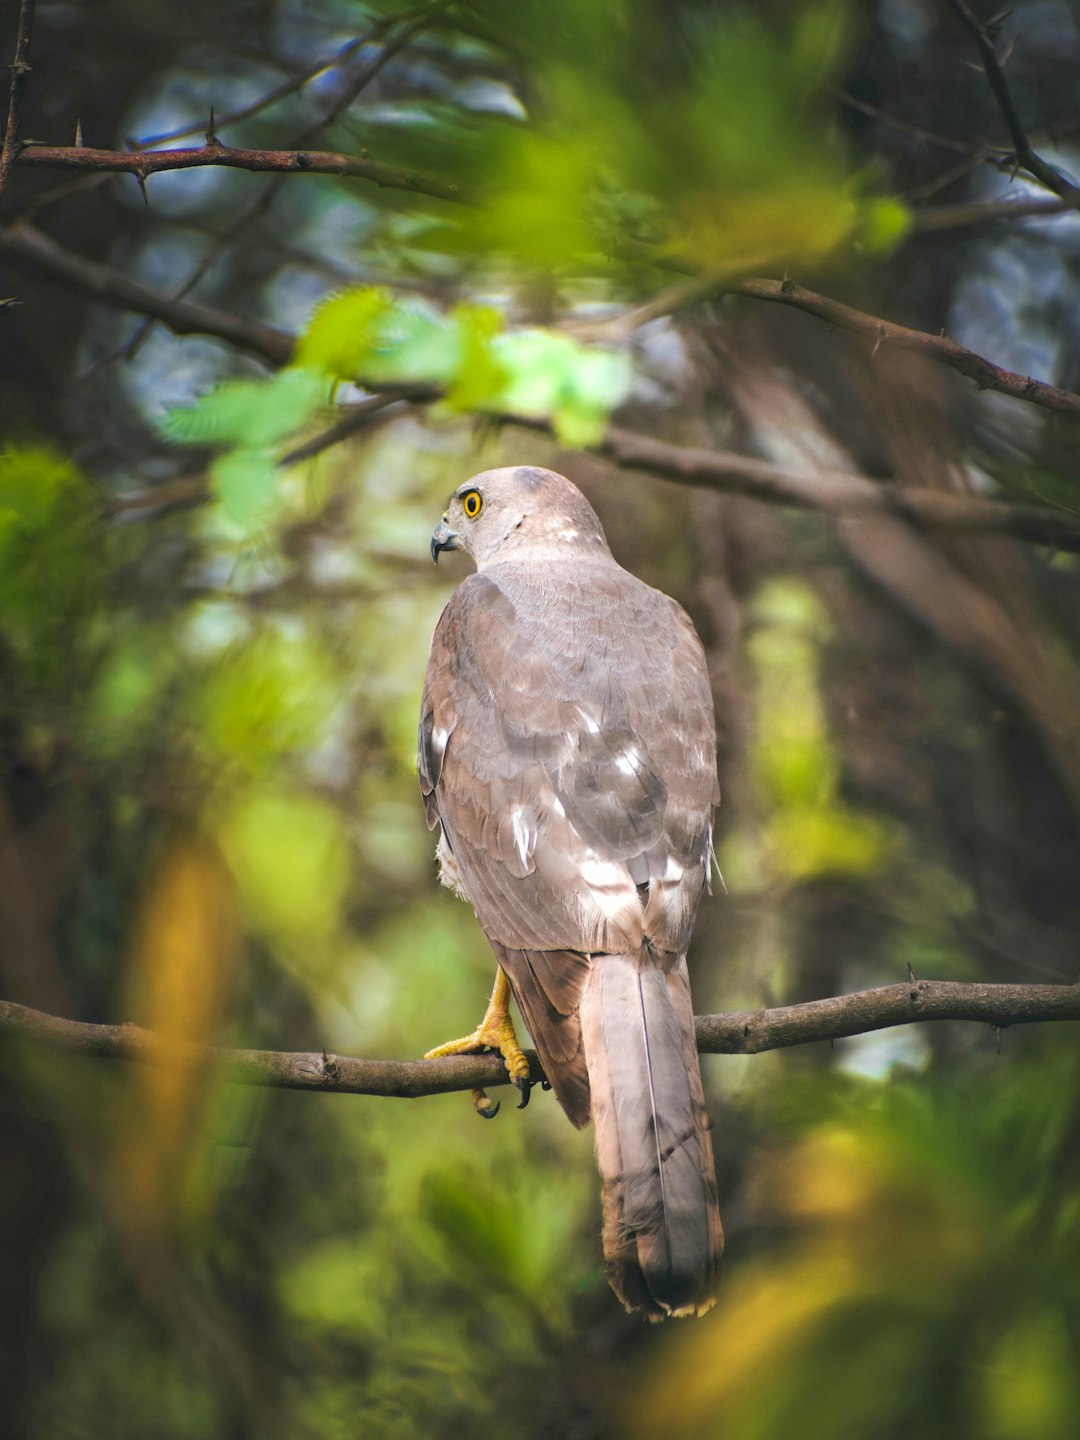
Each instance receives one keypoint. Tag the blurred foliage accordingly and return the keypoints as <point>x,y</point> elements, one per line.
<point>365,335</point>
<point>209,820</point>
<point>50,560</point>
<point>926,1281</point>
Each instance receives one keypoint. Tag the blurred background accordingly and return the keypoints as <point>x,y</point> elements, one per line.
<point>213,629</point>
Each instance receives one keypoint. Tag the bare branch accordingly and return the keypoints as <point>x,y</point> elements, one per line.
<point>143,164</point>
<point>20,70</point>
<point>931,219</point>
<point>1025,155</point>
<point>743,1033</point>
<point>898,122</point>
<point>985,374</point>
<point>183,317</point>
<point>837,492</point>
<point>271,97</point>
<point>882,1009</point>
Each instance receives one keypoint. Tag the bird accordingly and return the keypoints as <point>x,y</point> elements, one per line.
<point>567,755</point>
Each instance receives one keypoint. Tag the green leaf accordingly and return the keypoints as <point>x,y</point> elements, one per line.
<point>342,332</point>
<point>50,554</point>
<point>481,377</point>
<point>244,481</point>
<point>415,344</point>
<point>883,225</point>
<point>249,413</point>
<point>553,375</point>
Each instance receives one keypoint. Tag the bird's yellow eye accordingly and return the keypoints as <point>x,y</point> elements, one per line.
<point>472,502</point>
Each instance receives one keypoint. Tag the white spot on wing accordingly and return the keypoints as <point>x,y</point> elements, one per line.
<point>558,808</point>
<point>523,835</point>
<point>629,761</point>
<point>672,870</point>
<point>587,720</point>
<point>603,873</point>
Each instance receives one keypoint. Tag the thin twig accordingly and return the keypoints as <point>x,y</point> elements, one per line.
<point>946,177</point>
<point>307,136</point>
<point>359,417</point>
<point>928,219</point>
<point>1025,154</point>
<point>898,122</point>
<point>195,489</point>
<point>282,91</point>
<point>20,70</point>
<point>743,1033</point>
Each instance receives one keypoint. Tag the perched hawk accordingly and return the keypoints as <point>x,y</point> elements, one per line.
<point>567,751</point>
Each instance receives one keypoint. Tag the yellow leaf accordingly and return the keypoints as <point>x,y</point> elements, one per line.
<point>178,984</point>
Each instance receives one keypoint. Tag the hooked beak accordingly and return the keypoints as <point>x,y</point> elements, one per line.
<point>443,538</point>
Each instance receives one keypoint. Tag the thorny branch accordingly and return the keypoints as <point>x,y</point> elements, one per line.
<point>20,70</point>
<point>833,493</point>
<point>108,286</point>
<point>417,21</point>
<point>741,1033</point>
<point>986,375</point>
<point>1025,155</point>
<point>144,163</point>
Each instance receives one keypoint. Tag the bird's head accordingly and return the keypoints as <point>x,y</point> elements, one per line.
<point>499,512</point>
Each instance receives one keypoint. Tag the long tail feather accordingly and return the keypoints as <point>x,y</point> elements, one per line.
<point>662,1235</point>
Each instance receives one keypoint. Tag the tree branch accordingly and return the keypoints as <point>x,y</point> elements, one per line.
<point>1026,156</point>
<point>144,163</point>
<point>110,287</point>
<point>743,1033</point>
<point>20,70</point>
<point>837,492</point>
<point>830,492</point>
<point>271,97</point>
<point>985,374</point>
<point>931,219</point>
<point>31,244</point>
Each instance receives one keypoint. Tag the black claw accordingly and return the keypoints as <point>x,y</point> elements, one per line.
<point>545,1084</point>
<point>485,1107</point>
<point>525,1086</point>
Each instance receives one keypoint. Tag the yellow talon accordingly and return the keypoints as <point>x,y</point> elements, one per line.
<point>495,1032</point>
